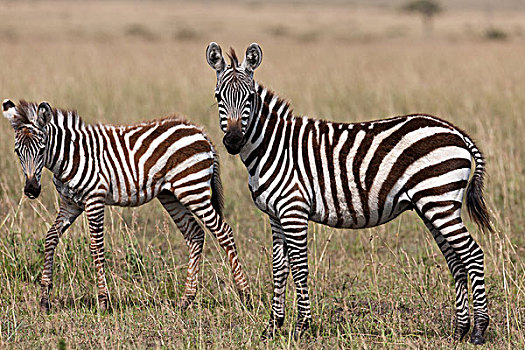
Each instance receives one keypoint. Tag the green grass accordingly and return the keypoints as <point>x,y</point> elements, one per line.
<point>386,287</point>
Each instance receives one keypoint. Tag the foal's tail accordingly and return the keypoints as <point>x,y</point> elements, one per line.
<point>217,194</point>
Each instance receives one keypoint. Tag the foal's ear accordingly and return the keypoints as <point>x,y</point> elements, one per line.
<point>44,113</point>
<point>8,109</point>
<point>215,58</point>
<point>253,57</point>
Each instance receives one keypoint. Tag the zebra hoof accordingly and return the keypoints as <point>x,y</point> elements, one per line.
<point>185,303</point>
<point>271,329</point>
<point>103,303</point>
<point>461,331</point>
<point>246,299</point>
<point>44,305</point>
<point>301,327</point>
<point>268,334</point>
<point>480,326</point>
<point>477,339</point>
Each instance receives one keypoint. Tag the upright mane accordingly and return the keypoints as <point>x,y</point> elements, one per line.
<point>26,113</point>
<point>280,100</point>
<point>232,55</point>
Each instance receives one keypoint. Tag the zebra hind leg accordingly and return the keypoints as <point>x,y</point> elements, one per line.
<point>224,234</point>
<point>446,217</point>
<point>457,269</point>
<point>194,236</point>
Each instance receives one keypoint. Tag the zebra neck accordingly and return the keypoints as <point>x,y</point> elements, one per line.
<point>65,132</point>
<point>270,112</point>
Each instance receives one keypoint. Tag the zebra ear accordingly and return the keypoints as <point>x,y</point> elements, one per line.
<point>215,58</point>
<point>44,113</point>
<point>253,57</point>
<point>8,109</point>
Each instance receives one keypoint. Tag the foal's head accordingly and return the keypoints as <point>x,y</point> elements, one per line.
<point>29,123</point>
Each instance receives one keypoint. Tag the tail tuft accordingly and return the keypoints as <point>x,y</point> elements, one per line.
<point>217,194</point>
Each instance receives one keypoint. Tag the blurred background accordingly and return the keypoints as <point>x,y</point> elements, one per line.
<point>387,287</point>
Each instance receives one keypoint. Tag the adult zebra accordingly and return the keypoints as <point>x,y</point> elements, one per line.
<point>98,165</point>
<point>351,176</point>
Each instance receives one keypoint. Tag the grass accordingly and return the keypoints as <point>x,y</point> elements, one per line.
<point>385,287</point>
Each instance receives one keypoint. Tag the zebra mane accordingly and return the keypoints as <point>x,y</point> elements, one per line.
<point>26,113</point>
<point>270,94</point>
<point>232,55</point>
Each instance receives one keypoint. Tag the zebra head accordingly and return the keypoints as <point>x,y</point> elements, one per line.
<point>235,92</point>
<point>29,123</point>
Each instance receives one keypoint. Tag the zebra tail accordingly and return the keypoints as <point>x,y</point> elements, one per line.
<point>476,205</point>
<point>217,194</point>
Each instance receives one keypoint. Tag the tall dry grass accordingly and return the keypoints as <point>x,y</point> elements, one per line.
<point>386,287</point>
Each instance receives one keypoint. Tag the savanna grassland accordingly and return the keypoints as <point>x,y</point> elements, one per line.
<point>385,287</point>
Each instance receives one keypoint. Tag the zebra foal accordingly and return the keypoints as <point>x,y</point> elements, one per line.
<point>98,165</point>
<point>351,176</point>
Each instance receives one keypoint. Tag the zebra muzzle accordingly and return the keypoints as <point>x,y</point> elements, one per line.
<point>234,141</point>
<point>32,188</point>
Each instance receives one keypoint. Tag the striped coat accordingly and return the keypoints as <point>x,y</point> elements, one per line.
<point>98,165</point>
<point>351,176</point>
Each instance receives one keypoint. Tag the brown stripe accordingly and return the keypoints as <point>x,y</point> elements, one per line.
<point>161,129</point>
<point>388,144</point>
<point>446,213</point>
<point>110,146</point>
<point>204,164</point>
<point>439,190</point>
<point>411,154</point>
<point>429,172</point>
<point>449,223</point>
<point>163,147</point>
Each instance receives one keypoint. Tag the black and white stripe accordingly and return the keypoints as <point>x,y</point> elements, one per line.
<point>352,176</point>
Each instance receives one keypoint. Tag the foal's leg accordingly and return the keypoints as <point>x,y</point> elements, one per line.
<point>194,236</point>
<point>67,214</point>
<point>95,214</point>
<point>204,210</point>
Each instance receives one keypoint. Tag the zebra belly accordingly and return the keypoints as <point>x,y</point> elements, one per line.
<point>345,219</point>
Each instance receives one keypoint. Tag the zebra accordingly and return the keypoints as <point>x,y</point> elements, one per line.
<point>98,165</point>
<point>351,176</point>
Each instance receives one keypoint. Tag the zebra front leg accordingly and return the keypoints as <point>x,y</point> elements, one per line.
<point>194,236</point>
<point>281,270</point>
<point>95,214</point>
<point>67,214</point>
<point>295,227</point>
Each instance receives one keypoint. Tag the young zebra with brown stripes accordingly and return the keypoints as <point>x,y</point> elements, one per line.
<point>98,165</point>
<point>351,176</point>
